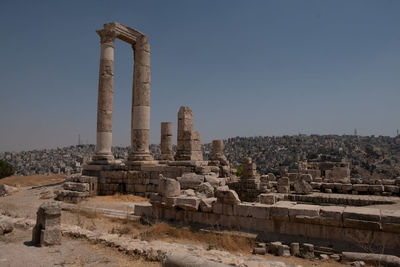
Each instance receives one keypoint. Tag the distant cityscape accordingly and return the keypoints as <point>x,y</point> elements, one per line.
<point>369,156</point>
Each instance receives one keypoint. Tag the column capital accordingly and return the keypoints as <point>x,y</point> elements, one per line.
<point>142,43</point>
<point>107,36</point>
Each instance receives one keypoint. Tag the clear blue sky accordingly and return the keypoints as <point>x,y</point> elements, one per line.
<point>245,68</point>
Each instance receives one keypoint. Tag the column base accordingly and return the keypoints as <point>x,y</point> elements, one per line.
<point>167,157</point>
<point>102,159</point>
<point>140,156</point>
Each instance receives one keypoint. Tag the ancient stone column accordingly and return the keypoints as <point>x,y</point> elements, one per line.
<point>166,141</point>
<point>140,127</point>
<point>103,154</point>
<point>189,144</point>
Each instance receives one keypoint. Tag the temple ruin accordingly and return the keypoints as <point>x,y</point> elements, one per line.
<point>185,187</point>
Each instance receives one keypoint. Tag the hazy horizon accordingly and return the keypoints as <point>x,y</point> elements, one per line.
<point>256,68</point>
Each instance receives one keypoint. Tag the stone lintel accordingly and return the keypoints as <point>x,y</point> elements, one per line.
<point>123,32</point>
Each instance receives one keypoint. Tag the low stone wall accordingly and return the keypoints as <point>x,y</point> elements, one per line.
<point>142,183</point>
<point>383,187</point>
<point>342,228</point>
<point>340,199</point>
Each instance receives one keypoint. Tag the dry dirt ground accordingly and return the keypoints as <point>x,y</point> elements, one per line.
<point>16,249</point>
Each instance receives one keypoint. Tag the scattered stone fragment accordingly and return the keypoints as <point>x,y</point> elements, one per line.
<point>295,249</point>
<point>307,251</point>
<point>206,189</point>
<point>169,187</point>
<point>179,259</point>
<point>323,257</point>
<point>267,199</point>
<point>283,250</point>
<point>358,264</point>
<point>227,196</point>
<point>7,190</point>
<point>260,251</point>
<point>301,186</point>
<point>6,227</point>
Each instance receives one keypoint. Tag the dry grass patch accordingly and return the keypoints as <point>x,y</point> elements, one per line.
<point>166,232</point>
<point>32,180</point>
<point>121,198</point>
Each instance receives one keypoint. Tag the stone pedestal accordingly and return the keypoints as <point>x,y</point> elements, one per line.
<point>47,230</point>
<point>140,126</point>
<point>103,154</point>
<point>166,141</point>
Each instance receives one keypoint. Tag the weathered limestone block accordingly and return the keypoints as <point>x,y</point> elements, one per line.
<point>371,258</point>
<point>257,210</point>
<point>273,247</point>
<point>376,188</point>
<point>143,209</point>
<point>280,211</point>
<point>331,215</point>
<point>307,251</point>
<point>306,177</point>
<point>361,187</point>
<point>302,187</point>
<point>392,189</point>
<point>347,187</point>
<point>362,218</point>
<point>190,180</point>
<point>315,185</point>
<point>179,259</point>
<point>361,213</point>
<point>295,249</point>
<point>283,189</point>
<point>388,182</point>
<point>47,229</point>
<point>227,196</point>
<point>206,204</point>
<point>390,220</point>
<point>206,189</point>
<point>283,251</point>
<point>266,199</point>
<point>188,203</point>
<point>302,211</point>
<point>260,250</point>
<point>212,179</point>
<point>79,187</point>
<point>169,187</point>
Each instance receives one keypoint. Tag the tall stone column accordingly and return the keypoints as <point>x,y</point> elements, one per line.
<point>140,126</point>
<point>103,154</point>
<point>166,141</point>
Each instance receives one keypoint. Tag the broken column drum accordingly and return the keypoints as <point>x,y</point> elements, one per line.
<point>166,141</point>
<point>189,144</point>
<point>218,152</point>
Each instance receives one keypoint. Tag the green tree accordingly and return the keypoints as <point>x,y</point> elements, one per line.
<point>6,169</point>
